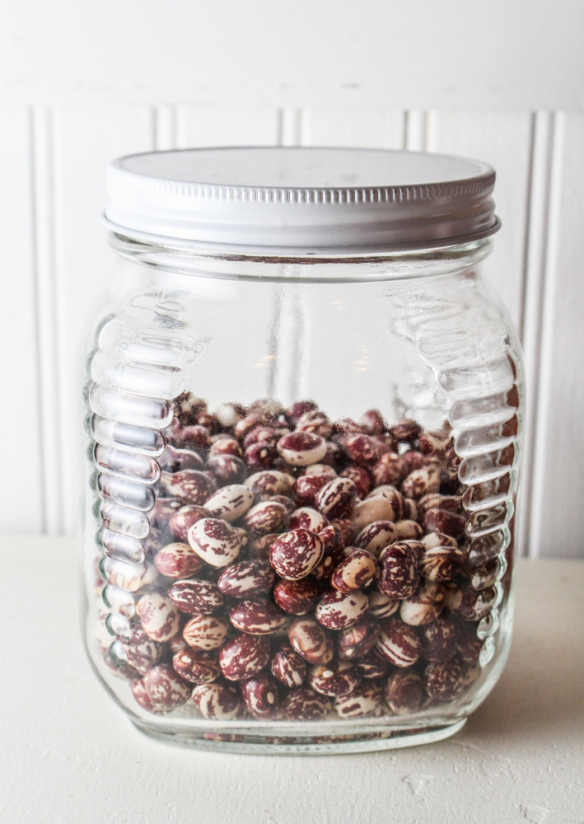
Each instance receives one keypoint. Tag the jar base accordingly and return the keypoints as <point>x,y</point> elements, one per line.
<point>374,741</point>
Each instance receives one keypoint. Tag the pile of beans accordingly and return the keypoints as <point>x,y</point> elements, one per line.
<point>298,568</point>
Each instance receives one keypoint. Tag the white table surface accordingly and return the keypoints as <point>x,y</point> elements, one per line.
<point>69,755</point>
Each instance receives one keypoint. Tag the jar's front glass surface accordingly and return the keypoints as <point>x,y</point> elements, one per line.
<point>303,474</point>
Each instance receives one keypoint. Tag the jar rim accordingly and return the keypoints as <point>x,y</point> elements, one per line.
<point>340,267</point>
<point>301,201</point>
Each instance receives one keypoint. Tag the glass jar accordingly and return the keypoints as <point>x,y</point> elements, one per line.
<point>304,408</point>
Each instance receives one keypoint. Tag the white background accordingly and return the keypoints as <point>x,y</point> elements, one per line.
<point>82,83</point>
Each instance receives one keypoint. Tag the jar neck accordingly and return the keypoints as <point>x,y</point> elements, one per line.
<point>391,265</point>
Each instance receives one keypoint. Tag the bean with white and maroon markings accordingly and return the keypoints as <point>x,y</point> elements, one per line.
<point>409,530</point>
<point>196,596</point>
<point>365,701</point>
<point>302,448</point>
<point>229,503</point>
<point>217,701</point>
<point>227,469</point>
<point>307,487</point>
<point>311,641</point>
<point>205,632</point>
<point>356,571</point>
<point>448,523</point>
<point>398,643</point>
<point>165,688</point>
<point>361,477</point>
<point>356,641</point>
<point>246,579</point>
<point>257,617</point>
<point>339,537</point>
<point>404,692</point>
<point>297,597</point>
<point>178,560</point>
<point>138,651</point>
<point>158,615</point>
<point>333,679</point>
<point>296,553</point>
<point>372,666</point>
<point>143,699</point>
<point>307,517</point>
<point>375,537</point>
<point>393,496</point>
<point>182,520</point>
<point>468,604</point>
<point>337,610</point>
<point>265,517</point>
<point>439,639</point>
<point>244,656</point>
<point>225,445</point>
<point>424,606</point>
<point>260,695</point>
<point>336,498</point>
<point>400,574</point>
<point>195,666</point>
<point>444,681</point>
<point>189,485</point>
<point>316,422</point>
<point>304,704</point>
<point>388,469</point>
<point>441,563</point>
<point>215,541</point>
<point>270,482</point>
<point>288,667</point>
<point>382,606</point>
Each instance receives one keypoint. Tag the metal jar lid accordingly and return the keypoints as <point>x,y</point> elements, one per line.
<point>301,200</point>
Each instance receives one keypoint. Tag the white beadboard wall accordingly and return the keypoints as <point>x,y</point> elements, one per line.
<point>81,84</point>
<point>52,163</point>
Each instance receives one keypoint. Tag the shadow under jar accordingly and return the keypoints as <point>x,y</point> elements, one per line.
<point>304,409</point>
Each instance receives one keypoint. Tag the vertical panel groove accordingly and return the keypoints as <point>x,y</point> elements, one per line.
<point>165,127</point>
<point>46,310</point>
<point>528,292</point>
<point>289,127</point>
<point>35,377</point>
<point>416,130</point>
<point>181,127</point>
<point>153,126</point>
<point>542,363</point>
<point>405,130</point>
<point>65,403</point>
<point>534,280</point>
<point>304,127</point>
<point>534,169</point>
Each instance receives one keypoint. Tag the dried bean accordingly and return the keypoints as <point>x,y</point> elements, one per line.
<point>304,704</point>
<point>355,572</point>
<point>177,560</point>
<point>217,702</point>
<point>257,617</point>
<point>288,667</point>
<point>205,632</point>
<point>311,641</point>
<point>247,579</point>
<point>244,656</point>
<point>215,541</point>
<point>337,610</point>
<point>333,679</point>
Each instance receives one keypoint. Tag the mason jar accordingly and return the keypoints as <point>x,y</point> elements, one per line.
<point>304,408</point>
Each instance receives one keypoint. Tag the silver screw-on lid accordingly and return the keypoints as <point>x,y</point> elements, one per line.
<point>301,200</point>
